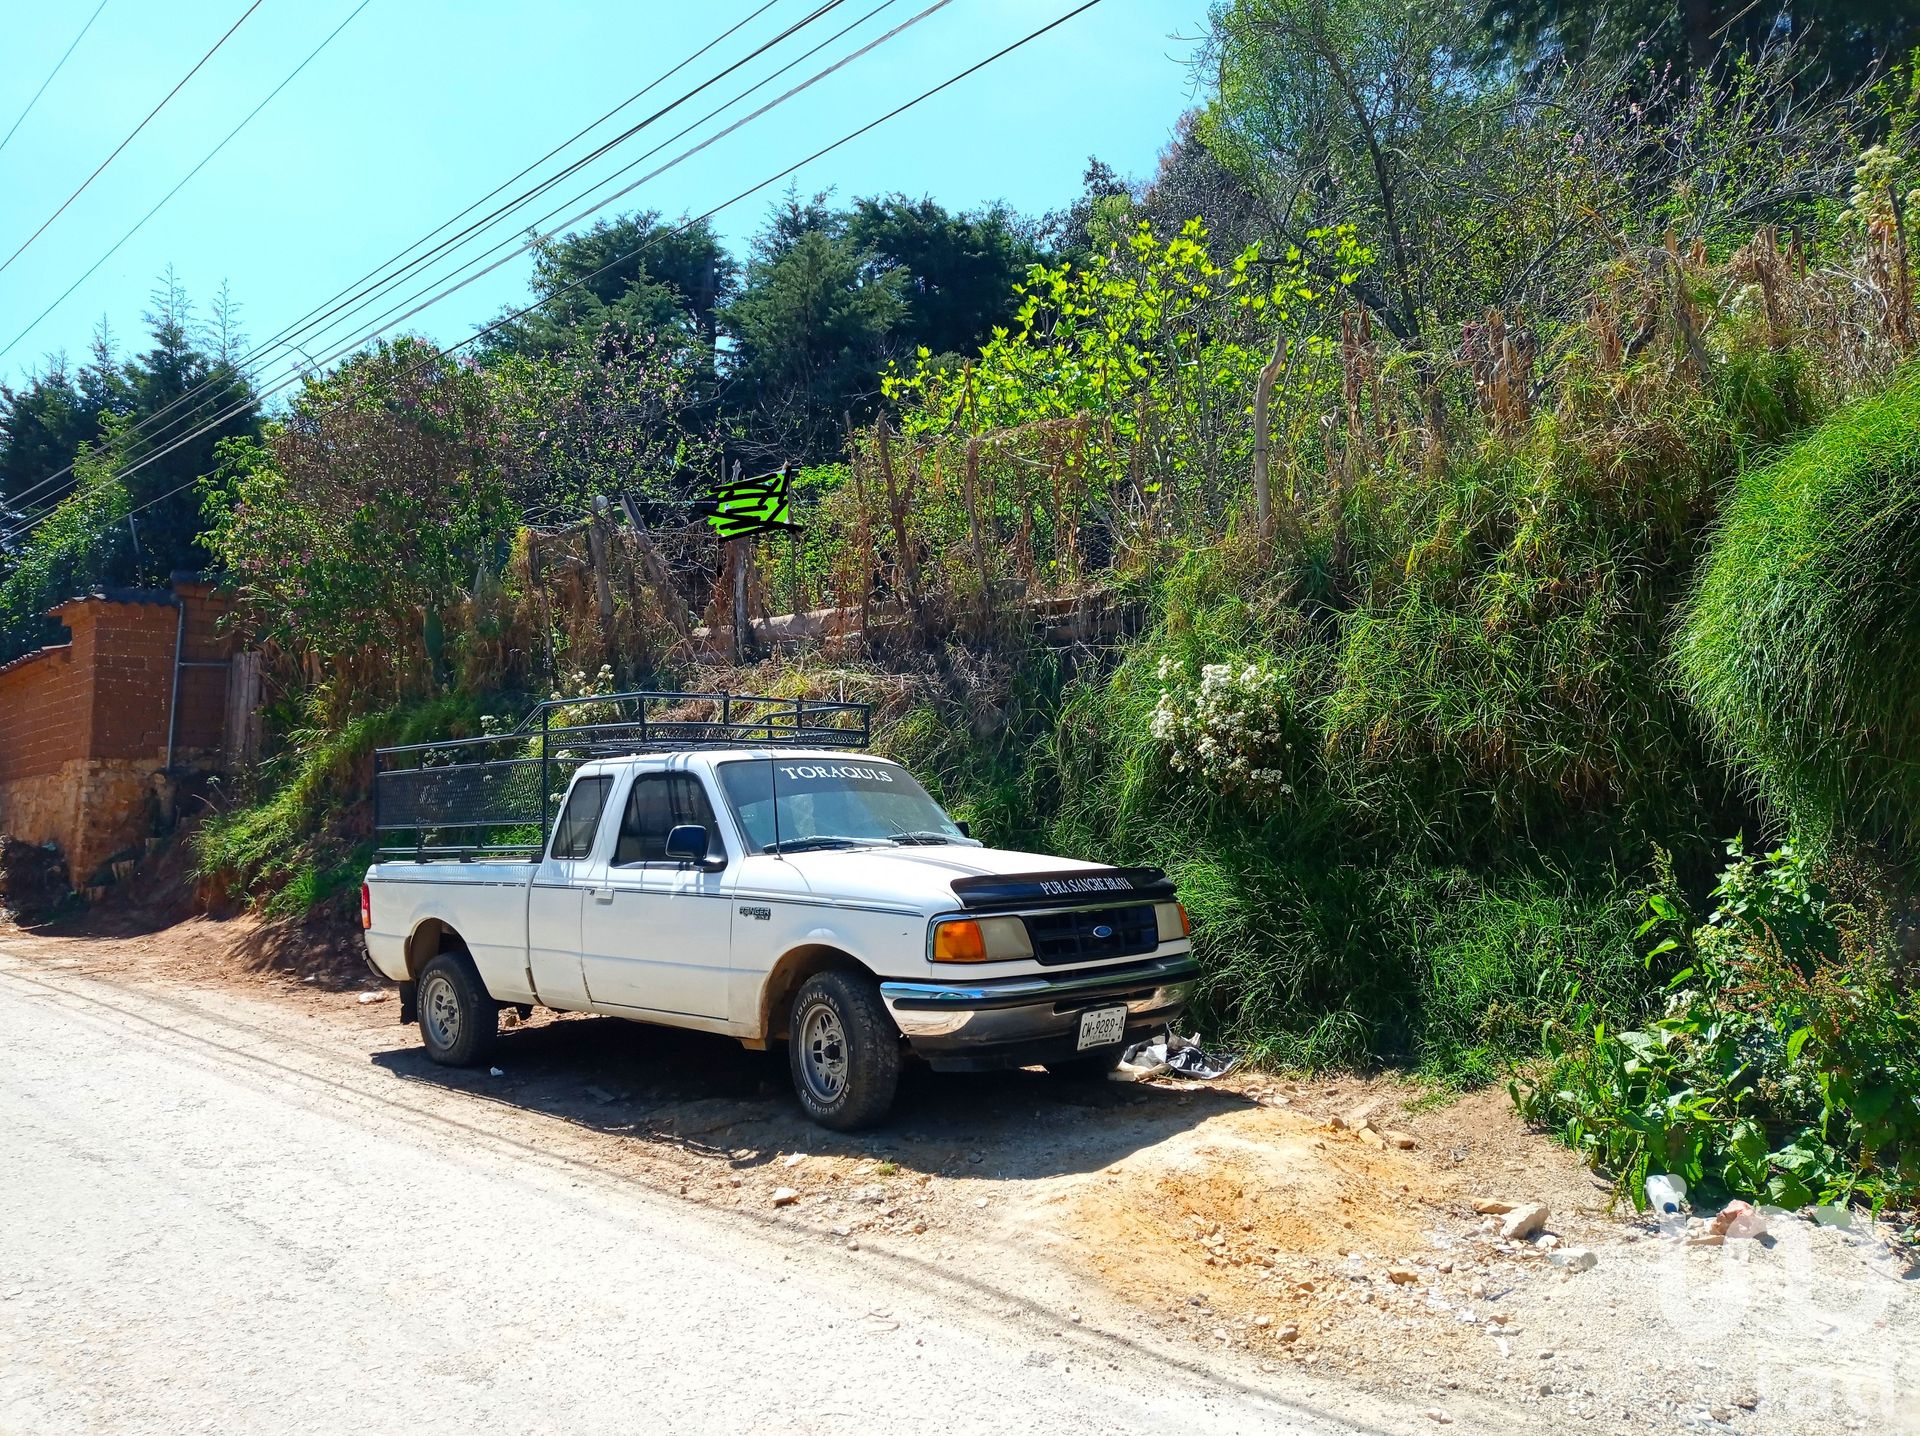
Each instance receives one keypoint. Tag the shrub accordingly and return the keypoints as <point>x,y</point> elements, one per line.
<point>1785,1065</point>
<point>1237,729</point>
<point>1797,645</point>
<point>304,834</point>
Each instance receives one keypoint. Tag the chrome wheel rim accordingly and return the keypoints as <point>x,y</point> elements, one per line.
<point>440,1011</point>
<point>823,1052</point>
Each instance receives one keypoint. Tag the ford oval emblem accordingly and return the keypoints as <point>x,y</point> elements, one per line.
<point>1103,931</point>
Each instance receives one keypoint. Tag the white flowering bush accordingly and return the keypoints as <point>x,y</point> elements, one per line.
<point>1878,177</point>
<point>581,684</point>
<point>1236,729</point>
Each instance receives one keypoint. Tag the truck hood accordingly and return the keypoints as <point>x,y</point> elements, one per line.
<point>922,877</point>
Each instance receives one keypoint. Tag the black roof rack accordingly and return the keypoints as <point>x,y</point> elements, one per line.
<point>500,792</point>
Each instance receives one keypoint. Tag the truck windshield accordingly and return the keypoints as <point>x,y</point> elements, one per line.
<point>826,803</point>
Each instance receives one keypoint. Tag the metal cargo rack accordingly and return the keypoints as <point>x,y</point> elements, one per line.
<point>496,796</point>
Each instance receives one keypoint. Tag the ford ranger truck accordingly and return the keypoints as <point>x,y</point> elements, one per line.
<point>792,895</point>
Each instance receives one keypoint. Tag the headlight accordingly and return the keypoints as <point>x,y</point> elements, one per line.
<point>981,939</point>
<point>1172,917</point>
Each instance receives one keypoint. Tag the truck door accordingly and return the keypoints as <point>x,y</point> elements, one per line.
<point>654,931</point>
<point>558,893</point>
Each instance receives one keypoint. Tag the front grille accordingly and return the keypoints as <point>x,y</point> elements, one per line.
<point>1092,935</point>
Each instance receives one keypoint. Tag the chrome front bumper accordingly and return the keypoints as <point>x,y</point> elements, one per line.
<point>1011,1021</point>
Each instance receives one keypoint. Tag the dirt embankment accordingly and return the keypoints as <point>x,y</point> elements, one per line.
<point>1245,1221</point>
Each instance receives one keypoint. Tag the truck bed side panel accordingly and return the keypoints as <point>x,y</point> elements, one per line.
<point>485,903</point>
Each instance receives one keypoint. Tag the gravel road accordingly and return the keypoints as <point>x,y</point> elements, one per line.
<point>207,1226</point>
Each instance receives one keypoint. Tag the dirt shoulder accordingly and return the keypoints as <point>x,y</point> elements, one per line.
<point>1245,1223</point>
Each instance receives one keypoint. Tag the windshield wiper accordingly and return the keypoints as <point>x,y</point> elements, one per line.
<point>819,840</point>
<point>920,839</point>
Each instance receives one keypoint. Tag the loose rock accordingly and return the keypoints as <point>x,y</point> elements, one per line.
<point>785,1197</point>
<point>1524,1222</point>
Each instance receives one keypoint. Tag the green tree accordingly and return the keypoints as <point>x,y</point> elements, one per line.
<point>1479,187</point>
<point>1098,219</point>
<point>81,542</point>
<point>44,422</point>
<point>194,403</point>
<point>959,269</point>
<point>363,513</point>
<point>636,274</point>
<point>613,413</point>
<point>812,326</point>
<point>1845,42</point>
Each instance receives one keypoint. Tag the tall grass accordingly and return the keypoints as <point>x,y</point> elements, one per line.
<point>1798,645</point>
<point>303,836</point>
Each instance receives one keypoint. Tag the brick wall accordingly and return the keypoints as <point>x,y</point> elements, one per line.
<point>203,689</point>
<point>84,725</point>
<point>46,713</point>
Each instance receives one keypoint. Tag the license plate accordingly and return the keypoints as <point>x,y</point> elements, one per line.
<point>1102,1027</point>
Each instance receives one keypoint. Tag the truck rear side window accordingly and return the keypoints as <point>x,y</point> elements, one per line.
<point>573,835</point>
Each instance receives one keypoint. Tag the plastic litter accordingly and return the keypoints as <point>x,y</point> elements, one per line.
<point>1666,1194</point>
<point>1173,1056</point>
<point>1739,1219</point>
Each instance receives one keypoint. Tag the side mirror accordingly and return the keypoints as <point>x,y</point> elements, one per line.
<point>688,843</point>
<point>965,830</point>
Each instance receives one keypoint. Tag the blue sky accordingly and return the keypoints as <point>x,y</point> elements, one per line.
<point>418,108</point>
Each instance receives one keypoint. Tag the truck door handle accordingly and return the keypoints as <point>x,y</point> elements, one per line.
<point>603,894</point>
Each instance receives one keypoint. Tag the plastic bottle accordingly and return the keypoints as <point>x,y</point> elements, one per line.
<point>1666,1194</point>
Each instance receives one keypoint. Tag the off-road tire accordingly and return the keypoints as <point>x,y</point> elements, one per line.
<point>843,1051</point>
<point>458,1020</point>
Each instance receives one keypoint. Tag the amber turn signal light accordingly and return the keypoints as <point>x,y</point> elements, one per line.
<point>959,942</point>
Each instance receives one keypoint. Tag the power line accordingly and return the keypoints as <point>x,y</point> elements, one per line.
<point>91,269</point>
<point>130,138</point>
<point>300,327</point>
<point>58,65</point>
<point>387,320</point>
<point>747,193</point>
<point>394,316</point>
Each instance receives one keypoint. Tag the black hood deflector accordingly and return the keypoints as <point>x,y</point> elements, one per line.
<point>1074,888</point>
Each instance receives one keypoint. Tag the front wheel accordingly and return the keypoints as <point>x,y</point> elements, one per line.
<point>458,1020</point>
<point>844,1051</point>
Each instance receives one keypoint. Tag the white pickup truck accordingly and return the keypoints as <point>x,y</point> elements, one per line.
<point>770,893</point>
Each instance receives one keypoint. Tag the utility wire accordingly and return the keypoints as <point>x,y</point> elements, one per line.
<point>293,75</point>
<point>288,336</point>
<point>58,65</point>
<point>420,299</point>
<point>130,138</point>
<point>747,193</point>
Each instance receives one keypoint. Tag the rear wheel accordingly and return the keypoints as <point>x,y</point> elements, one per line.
<point>458,1020</point>
<point>844,1051</point>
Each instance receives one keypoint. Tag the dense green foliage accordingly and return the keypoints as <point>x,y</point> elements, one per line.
<point>308,839</point>
<point>1799,645</point>
<point>1783,1063</point>
<point>81,451</point>
<point>1469,481</point>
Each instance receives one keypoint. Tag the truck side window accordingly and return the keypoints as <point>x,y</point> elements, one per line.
<point>657,804</point>
<point>573,835</point>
